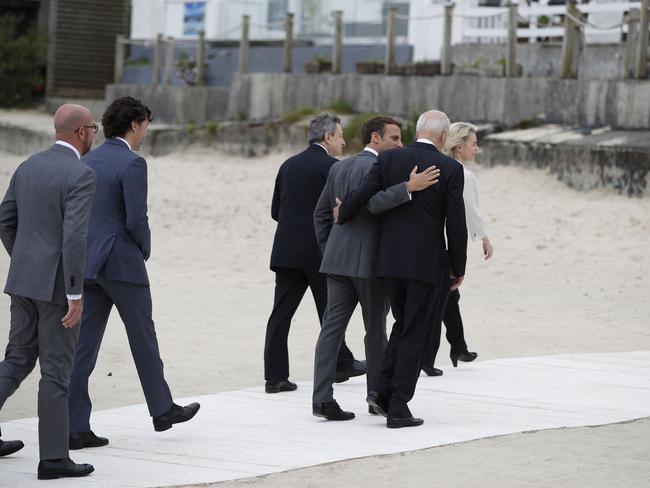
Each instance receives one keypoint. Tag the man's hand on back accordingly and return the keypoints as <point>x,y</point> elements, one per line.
<point>422,181</point>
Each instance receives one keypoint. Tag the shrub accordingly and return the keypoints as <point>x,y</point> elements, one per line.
<point>21,60</point>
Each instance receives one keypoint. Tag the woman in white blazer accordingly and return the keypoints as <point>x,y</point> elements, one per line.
<point>462,145</point>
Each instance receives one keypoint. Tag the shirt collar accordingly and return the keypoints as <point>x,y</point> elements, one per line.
<point>125,142</point>
<point>426,141</point>
<point>324,148</point>
<point>69,146</point>
<point>371,150</point>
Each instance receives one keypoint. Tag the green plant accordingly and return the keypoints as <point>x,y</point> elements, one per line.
<point>408,128</point>
<point>21,61</point>
<point>212,127</point>
<point>242,116</point>
<point>191,127</point>
<point>187,69</point>
<point>321,58</point>
<point>340,107</point>
<point>141,61</point>
<point>478,62</point>
<point>298,114</point>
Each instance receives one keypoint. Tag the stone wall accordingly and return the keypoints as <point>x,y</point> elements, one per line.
<point>505,101</point>
<point>177,104</point>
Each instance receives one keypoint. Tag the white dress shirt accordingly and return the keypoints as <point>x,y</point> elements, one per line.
<point>371,150</point>
<point>324,148</point>
<point>125,142</point>
<point>70,146</point>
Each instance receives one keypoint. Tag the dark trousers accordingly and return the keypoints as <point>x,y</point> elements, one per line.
<point>133,302</point>
<point>343,294</point>
<point>449,313</point>
<point>413,304</point>
<point>290,286</point>
<point>36,333</point>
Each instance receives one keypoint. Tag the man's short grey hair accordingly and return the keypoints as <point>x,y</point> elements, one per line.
<point>433,121</point>
<point>322,124</point>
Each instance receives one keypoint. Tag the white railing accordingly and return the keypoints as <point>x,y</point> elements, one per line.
<point>604,22</point>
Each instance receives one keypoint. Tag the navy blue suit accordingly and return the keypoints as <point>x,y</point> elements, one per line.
<point>119,243</point>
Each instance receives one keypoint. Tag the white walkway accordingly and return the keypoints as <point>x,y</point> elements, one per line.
<point>248,433</point>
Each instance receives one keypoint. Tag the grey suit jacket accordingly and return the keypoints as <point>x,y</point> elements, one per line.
<point>351,249</point>
<point>43,225</point>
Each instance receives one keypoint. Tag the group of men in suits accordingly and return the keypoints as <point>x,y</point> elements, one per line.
<point>380,228</point>
<point>77,233</point>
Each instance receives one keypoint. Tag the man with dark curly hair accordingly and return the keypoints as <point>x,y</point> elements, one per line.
<point>119,243</point>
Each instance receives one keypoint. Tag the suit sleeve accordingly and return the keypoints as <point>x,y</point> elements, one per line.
<point>275,202</point>
<point>134,184</point>
<point>9,218</point>
<point>456,226</point>
<point>323,218</point>
<point>356,199</point>
<point>388,199</point>
<point>76,212</point>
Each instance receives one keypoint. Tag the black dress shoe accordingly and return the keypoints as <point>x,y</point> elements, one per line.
<point>9,447</point>
<point>377,403</point>
<point>86,439</point>
<point>331,411</point>
<point>62,468</point>
<point>431,371</point>
<point>466,357</point>
<point>357,368</point>
<point>276,386</point>
<point>372,410</point>
<point>398,423</point>
<point>175,415</point>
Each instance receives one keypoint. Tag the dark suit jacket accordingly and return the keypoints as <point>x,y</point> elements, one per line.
<point>351,250</point>
<point>119,240</point>
<point>43,225</point>
<point>298,186</point>
<point>412,242</point>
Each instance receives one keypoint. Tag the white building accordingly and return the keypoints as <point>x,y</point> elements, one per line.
<point>420,22</point>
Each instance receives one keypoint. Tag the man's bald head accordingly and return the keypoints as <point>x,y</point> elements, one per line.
<point>73,124</point>
<point>69,117</point>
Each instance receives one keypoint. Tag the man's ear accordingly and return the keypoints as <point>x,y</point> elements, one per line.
<point>134,125</point>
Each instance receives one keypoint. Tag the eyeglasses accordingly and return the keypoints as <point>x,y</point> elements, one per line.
<point>94,127</point>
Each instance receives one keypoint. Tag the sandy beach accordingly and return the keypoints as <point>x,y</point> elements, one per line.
<point>571,274</point>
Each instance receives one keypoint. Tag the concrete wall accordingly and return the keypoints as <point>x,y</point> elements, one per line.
<point>504,101</point>
<point>177,104</point>
<point>598,62</point>
<point>618,160</point>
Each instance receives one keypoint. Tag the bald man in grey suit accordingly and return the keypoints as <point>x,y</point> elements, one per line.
<point>43,226</point>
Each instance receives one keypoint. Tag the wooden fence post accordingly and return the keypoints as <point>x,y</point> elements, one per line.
<point>571,44</point>
<point>243,44</point>
<point>157,59</point>
<point>120,44</point>
<point>288,44</point>
<point>445,65</point>
<point>338,42</point>
<point>389,65</point>
<point>200,61</point>
<point>511,57</point>
<point>642,50</point>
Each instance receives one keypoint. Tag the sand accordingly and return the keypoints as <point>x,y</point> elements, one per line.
<point>571,274</point>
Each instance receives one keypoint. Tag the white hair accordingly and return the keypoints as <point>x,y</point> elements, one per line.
<point>433,121</point>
